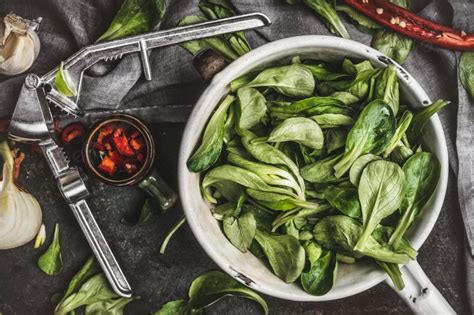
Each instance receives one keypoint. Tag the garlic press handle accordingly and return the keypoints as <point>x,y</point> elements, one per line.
<point>101,249</point>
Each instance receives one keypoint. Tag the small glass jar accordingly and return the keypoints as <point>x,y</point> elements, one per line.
<point>146,177</point>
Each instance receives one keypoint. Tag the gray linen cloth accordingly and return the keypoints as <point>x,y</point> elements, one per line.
<point>71,24</point>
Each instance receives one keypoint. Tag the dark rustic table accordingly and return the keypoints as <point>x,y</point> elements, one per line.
<point>157,278</point>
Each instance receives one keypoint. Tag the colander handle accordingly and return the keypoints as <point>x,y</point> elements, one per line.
<point>419,293</point>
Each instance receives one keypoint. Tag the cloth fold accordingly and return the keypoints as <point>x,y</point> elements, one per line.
<point>69,25</point>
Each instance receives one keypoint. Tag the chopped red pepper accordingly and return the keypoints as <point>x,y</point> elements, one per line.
<point>107,166</point>
<point>121,143</point>
<point>411,25</point>
<point>140,157</point>
<point>130,166</point>
<point>135,134</point>
<point>105,131</point>
<point>99,146</point>
<point>116,157</point>
<point>72,131</point>
<point>137,143</point>
<point>123,148</point>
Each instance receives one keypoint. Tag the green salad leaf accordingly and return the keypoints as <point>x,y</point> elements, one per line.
<point>51,262</point>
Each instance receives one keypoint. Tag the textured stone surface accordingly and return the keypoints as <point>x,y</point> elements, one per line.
<point>157,278</point>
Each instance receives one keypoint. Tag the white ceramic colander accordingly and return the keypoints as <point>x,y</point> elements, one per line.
<point>419,293</point>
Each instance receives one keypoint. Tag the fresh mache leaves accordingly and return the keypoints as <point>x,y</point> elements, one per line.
<point>214,11</point>
<point>333,120</point>
<point>371,133</point>
<point>322,269</point>
<point>270,174</point>
<point>240,230</point>
<point>381,190</point>
<point>294,80</point>
<point>51,262</point>
<point>315,105</point>
<point>362,22</point>
<point>253,107</point>
<point>239,176</point>
<point>284,253</point>
<point>217,44</point>
<point>326,10</point>
<point>356,169</point>
<point>321,73</point>
<point>340,233</point>
<point>135,17</point>
<point>266,153</point>
<point>392,44</point>
<point>321,171</point>
<point>422,117</point>
<point>344,199</point>
<point>302,169</point>
<point>422,172</point>
<point>207,289</point>
<point>277,201</point>
<point>386,88</point>
<point>466,72</point>
<point>402,126</point>
<point>400,154</point>
<point>393,271</point>
<point>212,141</point>
<point>298,129</point>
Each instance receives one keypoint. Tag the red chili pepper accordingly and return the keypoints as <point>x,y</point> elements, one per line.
<point>411,25</point>
<point>130,166</point>
<point>121,143</point>
<point>72,131</point>
<point>107,166</point>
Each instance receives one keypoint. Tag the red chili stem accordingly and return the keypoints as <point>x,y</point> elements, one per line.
<point>413,26</point>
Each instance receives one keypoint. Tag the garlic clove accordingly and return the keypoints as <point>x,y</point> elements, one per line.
<point>19,44</point>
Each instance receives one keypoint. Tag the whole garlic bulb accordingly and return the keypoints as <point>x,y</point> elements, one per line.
<point>19,44</point>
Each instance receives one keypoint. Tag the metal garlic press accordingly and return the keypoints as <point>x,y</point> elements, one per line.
<point>32,120</point>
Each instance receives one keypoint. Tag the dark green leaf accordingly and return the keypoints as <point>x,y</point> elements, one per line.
<point>253,107</point>
<point>325,9</point>
<point>215,43</point>
<point>386,88</point>
<point>109,307</point>
<point>178,307</point>
<point>212,286</point>
<point>135,17</point>
<point>371,133</point>
<point>340,233</point>
<point>393,45</point>
<point>298,129</point>
<point>214,11</point>
<point>240,231</point>
<point>51,262</point>
<point>321,276</point>
<point>420,119</point>
<point>95,289</point>
<point>466,72</point>
<point>294,80</point>
<point>284,253</point>
<point>321,171</point>
<point>422,172</point>
<point>208,152</point>
<point>381,190</point>
<point>358,166</point>
<point>344,199</point>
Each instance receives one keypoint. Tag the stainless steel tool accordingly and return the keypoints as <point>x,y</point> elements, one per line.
<point>32,120</point>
